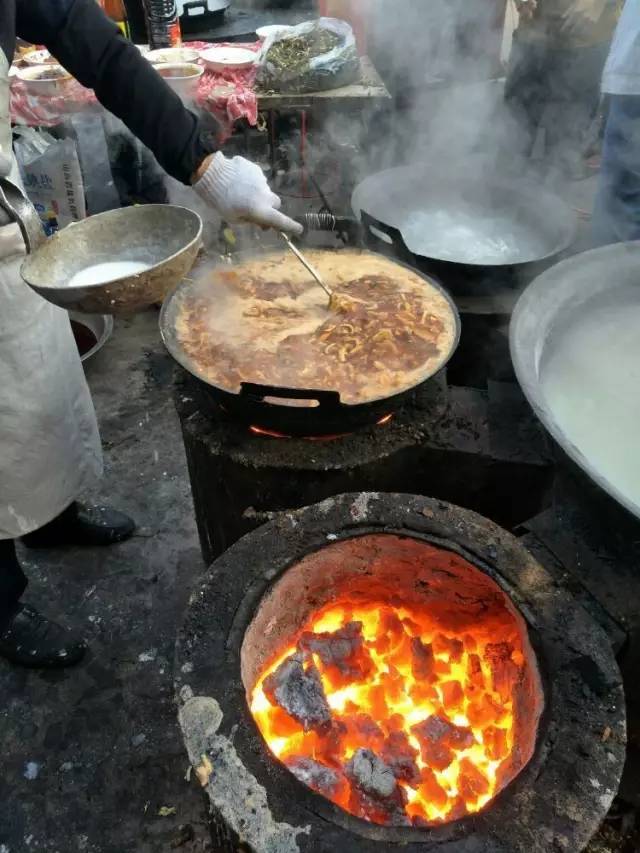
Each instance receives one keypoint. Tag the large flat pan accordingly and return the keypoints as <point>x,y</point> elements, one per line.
<point>585,289</point>
<point>273,399</point>
<point>490,223</point>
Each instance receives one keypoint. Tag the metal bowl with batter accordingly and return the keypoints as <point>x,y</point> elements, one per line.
<point>149,248</point>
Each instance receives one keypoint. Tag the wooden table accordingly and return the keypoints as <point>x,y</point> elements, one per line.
<point>370,86</point>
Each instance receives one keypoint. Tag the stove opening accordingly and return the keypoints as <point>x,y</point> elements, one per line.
<point>269,433</point>
<point>394,678</point>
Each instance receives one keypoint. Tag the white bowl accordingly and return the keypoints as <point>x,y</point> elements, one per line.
<point>39,57</point>
<point>263,33</point>
<point>44,80</point>
<point>172,55</point>
<point>98,325</point>
<point>183,77</point>
<point>228,58</point>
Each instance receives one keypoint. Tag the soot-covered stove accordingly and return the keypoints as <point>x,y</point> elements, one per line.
<point>384,670</point>
<point>479,449</point>
<point>473,442</point>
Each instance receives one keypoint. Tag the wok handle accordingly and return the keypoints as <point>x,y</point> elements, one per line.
<point>373,225</point>
<point>188,8</point>
<point>347,228</point>
<point>258,393</point>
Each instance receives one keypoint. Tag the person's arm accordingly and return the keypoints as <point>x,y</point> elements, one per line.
<point>92,48</point>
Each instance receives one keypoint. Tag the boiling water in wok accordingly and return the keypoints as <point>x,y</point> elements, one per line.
<point>590,380</point>
<point>469,217</point>
<point>468,236</point>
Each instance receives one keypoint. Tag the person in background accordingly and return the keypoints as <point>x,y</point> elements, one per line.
<point>49,442</point>
<point>553,80</point>
<point>616,216</point>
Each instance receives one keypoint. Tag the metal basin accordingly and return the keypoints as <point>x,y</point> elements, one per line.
<point>586,290</point>
<point>487,222</point>
<point>100,326</point>
<point>162,238</point>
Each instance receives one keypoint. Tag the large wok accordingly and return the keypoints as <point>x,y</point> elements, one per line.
<point>205,314</point>
<point>582,289</point>
<point>479,223</point>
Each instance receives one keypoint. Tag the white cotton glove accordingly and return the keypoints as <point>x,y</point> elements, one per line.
<point>239,191</point>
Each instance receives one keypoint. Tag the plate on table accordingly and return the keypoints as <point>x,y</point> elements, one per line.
<point>39,57</point>
<point>45,81</point>
<point>172,55</point>
<point>264,33</point>
<point>228,58</point>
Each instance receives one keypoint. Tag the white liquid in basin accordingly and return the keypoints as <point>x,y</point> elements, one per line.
<point>109,271</point>
<point>591,384</point>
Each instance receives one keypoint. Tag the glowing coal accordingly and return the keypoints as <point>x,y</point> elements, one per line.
<point>404,712</point>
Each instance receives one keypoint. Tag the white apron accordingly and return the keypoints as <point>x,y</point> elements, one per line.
<point>49,441</point>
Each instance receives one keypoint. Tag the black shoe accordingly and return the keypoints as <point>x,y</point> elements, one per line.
<point>82,525</point>
<point>32,640</point>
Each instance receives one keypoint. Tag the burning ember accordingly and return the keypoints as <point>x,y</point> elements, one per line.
<point>392,716</point>
<point>258,430</point>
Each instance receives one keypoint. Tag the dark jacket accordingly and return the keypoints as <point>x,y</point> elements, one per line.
<point>92,48</point>
<point>549,23</point>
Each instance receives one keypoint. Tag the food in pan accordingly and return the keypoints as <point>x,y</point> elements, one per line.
<point>266,322</point>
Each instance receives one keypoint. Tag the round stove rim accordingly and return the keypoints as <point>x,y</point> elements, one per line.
<point>437,833</point>
<point>282,536</point>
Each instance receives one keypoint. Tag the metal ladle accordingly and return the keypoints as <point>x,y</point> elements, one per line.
<point>307,265</point>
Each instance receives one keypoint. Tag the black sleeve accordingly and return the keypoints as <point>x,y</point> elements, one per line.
<point>91,47</point>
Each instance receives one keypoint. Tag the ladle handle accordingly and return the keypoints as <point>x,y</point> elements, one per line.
<point>305,263</point>
<point>20,210</point>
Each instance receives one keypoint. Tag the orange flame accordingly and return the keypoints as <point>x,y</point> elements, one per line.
<point>269,433</point>
<point>413,681</point>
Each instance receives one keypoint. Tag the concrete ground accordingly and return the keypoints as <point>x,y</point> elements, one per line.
<point>91,759</point>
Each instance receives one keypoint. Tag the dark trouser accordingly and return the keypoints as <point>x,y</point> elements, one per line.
<point>557,88</point>
<point>12,581</point>
<point>616,216</point>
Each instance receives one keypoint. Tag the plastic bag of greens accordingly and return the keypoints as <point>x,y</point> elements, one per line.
<point>310,57</point>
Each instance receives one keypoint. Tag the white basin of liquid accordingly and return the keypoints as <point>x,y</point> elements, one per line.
<point>108,271</point>
<point>591,385</point>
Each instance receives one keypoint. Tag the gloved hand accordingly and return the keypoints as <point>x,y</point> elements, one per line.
<point>239,191</point>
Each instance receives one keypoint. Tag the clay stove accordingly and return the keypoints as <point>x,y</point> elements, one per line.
<point>480,449</point>
<point>382,670</point>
